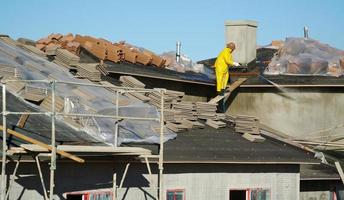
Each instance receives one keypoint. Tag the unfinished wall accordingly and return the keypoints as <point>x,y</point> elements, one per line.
<point>202,182</point>
<point>325,195</point>
<point>297,112</point>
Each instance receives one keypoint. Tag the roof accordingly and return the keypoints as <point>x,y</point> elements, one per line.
<point>206,145</point>
<point>318,172</point>
<point>223,145</point>
<point>39,126</point>
<point>148,70</point>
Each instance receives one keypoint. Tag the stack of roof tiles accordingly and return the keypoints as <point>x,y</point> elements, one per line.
<point>100,48</point>
<point>89,71</point>
<point>169,97</point>
<point>66,58</point>
<point>249,126</point>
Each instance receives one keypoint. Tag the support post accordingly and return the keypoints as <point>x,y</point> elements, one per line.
<point>161,150</point>
<point>12,178</point>
<point>124,175</point>
<point>149,171</point>
<point>41,177</point>
<point>340,171</point>
<point>4,145</point>
<point>53,145</point>
<point>114,186</point>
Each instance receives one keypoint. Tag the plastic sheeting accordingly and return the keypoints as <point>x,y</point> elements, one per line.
<point>86,100</point>
<point>306,57</point>
<point>186,65</point>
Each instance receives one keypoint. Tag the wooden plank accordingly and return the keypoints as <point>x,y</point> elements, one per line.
<point>236,84</point>
<point>103,149</point>
<point>15,150</point>
<point>41,144</point>
<point>34,148</point>
<point>22,120</point>
<point>231,88</point>
<point>91,149</point>
<point>216,99</point>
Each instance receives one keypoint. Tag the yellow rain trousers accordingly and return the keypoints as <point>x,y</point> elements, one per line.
<point>221,68</point>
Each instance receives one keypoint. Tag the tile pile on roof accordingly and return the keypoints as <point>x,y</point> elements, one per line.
<point>179,115</point>
<point>89,71</point>
<point>100,48</point>
<point>249,126</point>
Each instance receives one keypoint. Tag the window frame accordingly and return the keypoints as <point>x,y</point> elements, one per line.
<point>174,191</point>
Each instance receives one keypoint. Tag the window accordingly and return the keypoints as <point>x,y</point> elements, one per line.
<point>249,194</point>
<point>175,195</point>
<point>260,194</point>
<point>237,195</point>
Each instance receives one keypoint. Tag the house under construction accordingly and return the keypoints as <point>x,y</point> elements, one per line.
<point>84,119</point>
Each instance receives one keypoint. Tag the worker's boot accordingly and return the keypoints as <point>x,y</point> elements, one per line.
<point>223,92</point>
<point>222,103</point>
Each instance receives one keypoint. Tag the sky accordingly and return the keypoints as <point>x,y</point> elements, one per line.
<point>157,24</point>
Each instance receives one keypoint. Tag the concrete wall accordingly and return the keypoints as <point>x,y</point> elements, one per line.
<point>324,195</point>
<point>216,186</point>
<point>201,182</point>
<point>297,112</point>
<point>244,34</point>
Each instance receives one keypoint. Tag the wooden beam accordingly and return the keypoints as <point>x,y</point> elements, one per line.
<point>231,88</point>
<point>41,144</point>
<point>92,149</point>
<point>22,120</point>
<point>236,84</point>
<point>103,149</point>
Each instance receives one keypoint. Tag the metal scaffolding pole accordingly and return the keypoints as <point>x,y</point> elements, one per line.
<point>41,177</point>
<point>116,125</point>
<point>4,145</point>
<point>13,177</point>
<point>161,150</point>
<point>53,115</point>
<point>53,145</point>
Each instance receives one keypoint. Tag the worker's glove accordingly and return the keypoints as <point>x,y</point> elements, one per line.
<point>236,64</point>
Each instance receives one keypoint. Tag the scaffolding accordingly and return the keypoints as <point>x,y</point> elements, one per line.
<point>53,149</point>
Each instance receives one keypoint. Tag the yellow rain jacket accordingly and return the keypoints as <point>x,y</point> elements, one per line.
<point>221,68</point>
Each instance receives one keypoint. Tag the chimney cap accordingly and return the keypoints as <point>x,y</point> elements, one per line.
<point>241,23</point>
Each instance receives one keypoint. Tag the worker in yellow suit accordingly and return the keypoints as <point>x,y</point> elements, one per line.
<point>221,67</point>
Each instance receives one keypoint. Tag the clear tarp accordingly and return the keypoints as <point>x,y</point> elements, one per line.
<point>83,100</point>
<point>306,57</point>
<point>186,64</point>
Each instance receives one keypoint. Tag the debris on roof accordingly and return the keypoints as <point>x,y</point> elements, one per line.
<point>101,49</point>
<point>18,63</point>
<point>302,56</point>
<point>249,126</point>
<point>185,64</point>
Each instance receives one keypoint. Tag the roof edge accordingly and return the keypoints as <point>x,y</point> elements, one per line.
<point>238,162</point>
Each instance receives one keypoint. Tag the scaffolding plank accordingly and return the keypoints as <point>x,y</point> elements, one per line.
<point>43,145</point>
<point>103,149</point>
<point>91,149</point>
